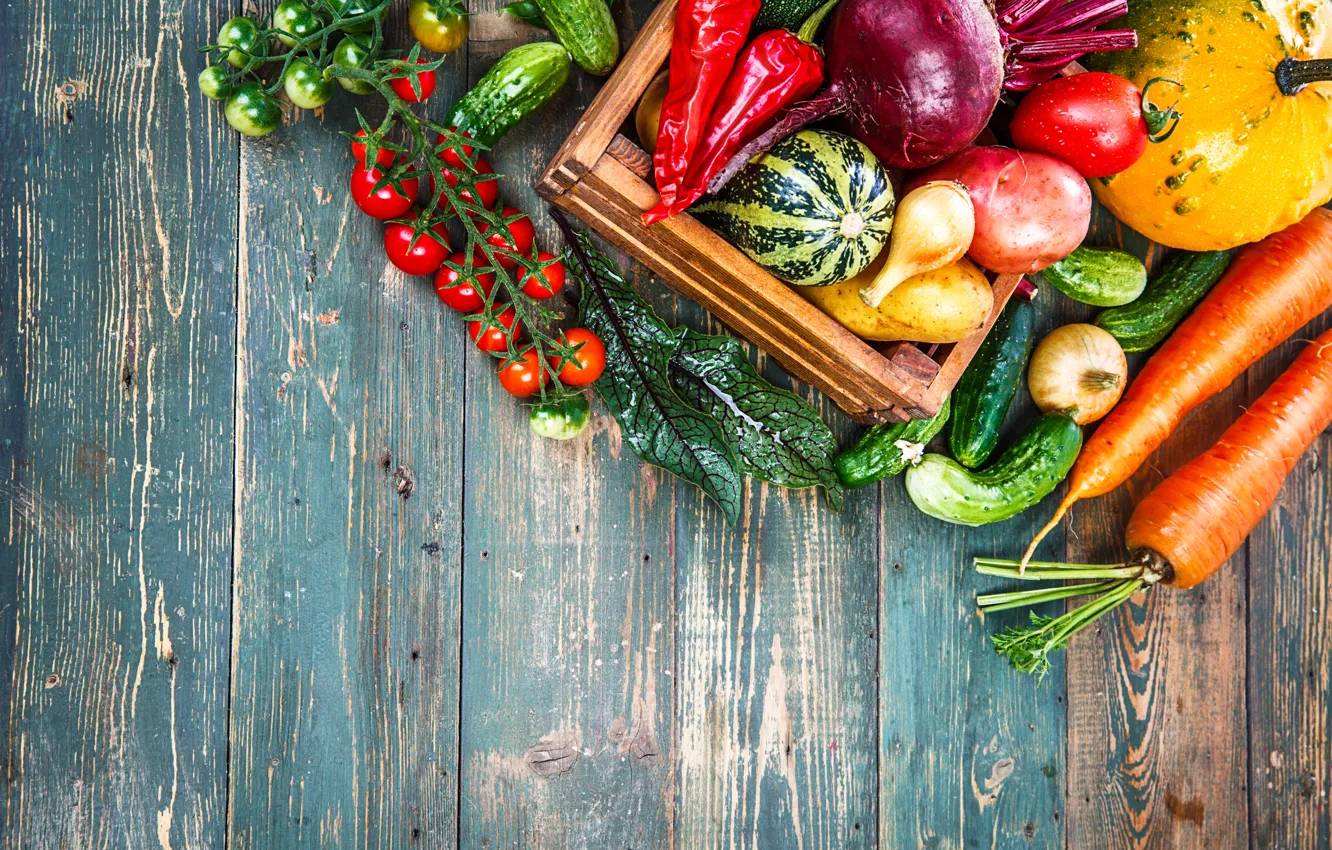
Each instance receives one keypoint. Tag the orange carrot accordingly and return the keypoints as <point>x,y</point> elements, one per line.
<point>1271,290</point>
<point>1191,524</point>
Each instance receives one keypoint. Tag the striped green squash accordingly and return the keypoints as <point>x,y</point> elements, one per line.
<point>814,210</point>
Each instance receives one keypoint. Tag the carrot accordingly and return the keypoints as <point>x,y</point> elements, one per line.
<point>1271,290</point>
<point>1191,524</point>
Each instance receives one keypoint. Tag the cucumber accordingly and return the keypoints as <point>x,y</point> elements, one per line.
<point>520,83</point>
<point>1101,277</point>
<point>783,14</point>
<point>987,387</point>
<point>1181,283</point>
<point>587,29</point>
<point>1029,471</point>
<point>876,455</point>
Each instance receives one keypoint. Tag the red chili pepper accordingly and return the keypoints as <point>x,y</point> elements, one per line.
<point>708,36</point>
<point>776,70</point>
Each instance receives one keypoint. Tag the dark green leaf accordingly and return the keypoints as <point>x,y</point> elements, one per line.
<point>527,11</point>
<point>660,427</point>
<point>776,435</point>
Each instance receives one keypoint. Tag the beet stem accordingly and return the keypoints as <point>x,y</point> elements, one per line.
<point>825,103</point>
<point>1085,15</point>
<point>1071,45</point>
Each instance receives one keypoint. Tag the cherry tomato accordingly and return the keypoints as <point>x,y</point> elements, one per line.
<point>353,52</point>
<point>402,86</point>
<point>546,282</point>
<point>495,338</point>
<point>305,85</point>
<point>215,83</point>
<point>425,256</point>
<point>439,25</point>
<point>1098,123</point>
<point>251,111</point>
<point>487,189</point>
<point>388,202</point>
<point>294,21</point>
<point>353,9</point>
<point>519,238</point>
<point>525,376</point>
<point>459,293</point>
<point>590,359</point>
<point>450,154</point>
<point>242,35</point>
<point>383,156</point>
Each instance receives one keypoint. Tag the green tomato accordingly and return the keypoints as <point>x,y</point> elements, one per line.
<point>305,86</point>
<point>295,21</point>
<point>242,35</point>
<point>438,26</point>
<point>214,83</point>
<point>251,111</point>
<point>353,8</point>
<point>354,53</point>
<point>560,420</point>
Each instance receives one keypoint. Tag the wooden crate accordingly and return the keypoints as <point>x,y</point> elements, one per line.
<point>602,177</point>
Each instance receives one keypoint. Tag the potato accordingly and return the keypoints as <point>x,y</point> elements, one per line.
<point>944,305</point>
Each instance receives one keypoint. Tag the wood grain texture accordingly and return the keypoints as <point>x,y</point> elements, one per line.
<point>568,649</point>
<point>349,466</point>
<point>971,753</point>
<point>117,240</point>
<point>1156,715</point>
<point>1290,647</point>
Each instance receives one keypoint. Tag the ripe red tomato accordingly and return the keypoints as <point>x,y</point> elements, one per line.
<point>518,240</point>
<point>488,190</point>
<point>388,202</point>
<point>590,362</point>
<point>495,339</point>
<point>382,156</point>
<point>546,282</point>
<point>1098,123</point>
<point>402,86</point>
<point>425,256</point>
<point>524,376</point>
<point>459,293</point>
<point>450,155</point>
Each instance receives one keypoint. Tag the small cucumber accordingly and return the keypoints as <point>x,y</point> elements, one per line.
<point>877,455</point>
<point>1181,283</point>
<point>987,387</point>
<point>1029,471</point>
<point>587,29</point>
<point>520,83</point>
<point>1101,277</point>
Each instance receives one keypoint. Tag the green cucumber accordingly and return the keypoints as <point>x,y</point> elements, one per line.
<point>1101,277</point>
<point>783,14</point>
<point>520,83</point>
<point>877,455</point>
<point>1029,471</point>
<point>1184,280</point>
<point>587,29</point>
<point>987,387</point>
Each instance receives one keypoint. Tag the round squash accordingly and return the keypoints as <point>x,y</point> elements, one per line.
<point>1253,151</point>
<point>814,210</point>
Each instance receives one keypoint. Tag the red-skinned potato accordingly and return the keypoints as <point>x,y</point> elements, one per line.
<point>1031,209</point>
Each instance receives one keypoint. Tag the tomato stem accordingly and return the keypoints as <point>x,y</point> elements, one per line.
<point>1292,75</point>
<point>1161,123</point>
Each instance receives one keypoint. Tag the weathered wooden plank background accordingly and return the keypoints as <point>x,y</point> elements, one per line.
<point>280,566</point>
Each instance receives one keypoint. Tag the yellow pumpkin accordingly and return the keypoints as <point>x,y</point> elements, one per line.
<point>1253,151</point>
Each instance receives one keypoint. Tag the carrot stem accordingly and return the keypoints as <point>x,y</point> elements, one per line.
<point>989,602</point>
<point>1028,648</point>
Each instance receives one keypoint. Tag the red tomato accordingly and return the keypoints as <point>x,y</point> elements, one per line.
<point>518,240</point>
<point>388,202</point>
<point>546,282</point>
<point>450,155</point>
<point>382,156</point>
<point>590,359</point>
<point>459,293</point>
<point>402,86</point>
<point>524,376</point>
<point>495,339</point>
<point>487,189</point>
<point>422,258</point>
<point>1098,123</point>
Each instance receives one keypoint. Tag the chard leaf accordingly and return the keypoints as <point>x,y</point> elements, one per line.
<point>660,426</point>
<point>775,434</point>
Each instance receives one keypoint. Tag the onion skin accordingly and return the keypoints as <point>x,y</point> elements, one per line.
<point>918,78</point>
<point>1078,370</point>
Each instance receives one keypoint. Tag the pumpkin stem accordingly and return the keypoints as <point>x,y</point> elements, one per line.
<point>1292,75</point>
<point>1160,122</point>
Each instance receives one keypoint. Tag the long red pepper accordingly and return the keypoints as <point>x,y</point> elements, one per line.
<point>708,36</point>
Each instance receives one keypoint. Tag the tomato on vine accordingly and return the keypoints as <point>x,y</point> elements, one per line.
<point>294,21</point>
<point>215,83</point>
<point>546,282</point>
<point>486,190</point>
<point>353,52</point>
<point>305,85</point>
<point>459,293</point>
<point>241,34</point>
<point>518,239</point>
<point>451,155</point>
<point>354,9</point>
<point>389,201</point>
<point>440,25</point>
<point>588,362</point>
<point>425,80</point>
<point>525,376</point>
<point>495,338</point>
<point>251,111</point>
<point>383,156</point>
<point>422,258</point>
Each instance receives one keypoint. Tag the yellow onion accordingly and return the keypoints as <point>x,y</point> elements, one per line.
<point>933,228</point>
<point>1079,370</point>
